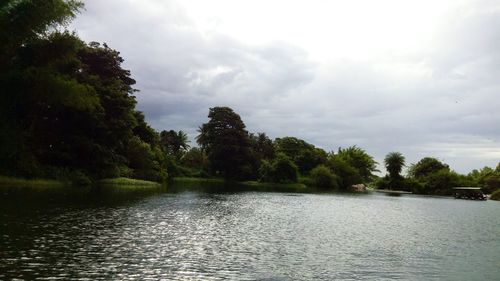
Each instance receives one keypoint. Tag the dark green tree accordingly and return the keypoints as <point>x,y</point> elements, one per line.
<point>394,163</point>
<point>426,166</point>
<point>227,144</point>
<point>347,174</point>
<point>323,177</point>
<point>262,146</point>
<point>305,155</point>
<point>24,20</point>
<point>359,159</point>
<point>280,170</point>
<point>174,143</point>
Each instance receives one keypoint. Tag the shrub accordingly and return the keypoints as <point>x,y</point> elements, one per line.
<point>323,177</point>
<point>495,195</point>
<point>281,170</point>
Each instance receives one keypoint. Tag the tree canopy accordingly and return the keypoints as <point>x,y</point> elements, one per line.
<point>394,163</point>
<point>227,143</point>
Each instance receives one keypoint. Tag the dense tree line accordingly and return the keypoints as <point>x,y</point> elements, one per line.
<point>68,107</point>
<point>68,112</point>
<point>431,176</point>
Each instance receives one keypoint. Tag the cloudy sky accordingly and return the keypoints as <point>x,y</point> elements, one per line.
<point>421,77</point>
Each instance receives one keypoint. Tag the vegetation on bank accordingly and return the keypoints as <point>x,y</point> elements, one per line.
<point>69,113</point>
<point>15,182</point>
<point>495,195</point>
<point>128,182</point>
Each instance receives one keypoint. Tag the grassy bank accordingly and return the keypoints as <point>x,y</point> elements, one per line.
<point>21,182</point>
<point>128,182</point>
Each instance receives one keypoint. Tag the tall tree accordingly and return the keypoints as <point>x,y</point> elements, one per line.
<point>24,20</point>
<point>360,160</point>
<point>227,144</point>
<point>394,163</point>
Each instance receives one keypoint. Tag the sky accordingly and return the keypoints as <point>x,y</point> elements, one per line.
<point>420,77</point>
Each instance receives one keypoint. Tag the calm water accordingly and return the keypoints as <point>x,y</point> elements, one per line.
<point>154,235</point>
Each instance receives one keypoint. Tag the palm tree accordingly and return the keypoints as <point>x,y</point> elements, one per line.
<point>394,163</point>
<point>174,143</point>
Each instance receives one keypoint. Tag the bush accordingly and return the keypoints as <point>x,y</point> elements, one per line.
<point>281,170</point>
<point>322,177</point>
<point>495,195</point>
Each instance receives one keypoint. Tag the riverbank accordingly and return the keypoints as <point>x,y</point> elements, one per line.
<point>127,182</point>
<point>14,182</point>
<point>22,182</point>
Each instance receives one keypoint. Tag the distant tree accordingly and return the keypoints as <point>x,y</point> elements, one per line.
<point>347,174</point>
<point>226,143</point>
<point>305,155</point>
<point>426,166</point>
<point>197,161</point>
<point>394,163</point>
<point>262,146</point>
<point>359,159</point>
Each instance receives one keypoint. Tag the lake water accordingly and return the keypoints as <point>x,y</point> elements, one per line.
<point>186,235</point>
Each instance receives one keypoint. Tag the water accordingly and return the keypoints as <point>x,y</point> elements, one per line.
<point>159,235</point>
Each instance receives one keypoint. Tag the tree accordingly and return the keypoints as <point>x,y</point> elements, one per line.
<point>323,177</point>
<point>25,20</point>
<point>305,155</point>
<point>394,163</point>
<point>426,166</point>
<point>227,144</point>
<point>347,174</point>
<point>357,158</point>
<point>65,102</point>
<point>262,146</point>
<point>174,143</point>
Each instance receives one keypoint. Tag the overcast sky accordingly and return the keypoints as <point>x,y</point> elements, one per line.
<point>420,77</point>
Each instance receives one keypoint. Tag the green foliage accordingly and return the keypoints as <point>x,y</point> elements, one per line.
<point>145,161</point>
<point>394,163</point>
<point>262,146</point>
<point>174,143</point>
<point>495,195</point>
<point>281,170</point>
<point>305,155</point>
<point>426,166</point>
<point>347,174</point>
<point>227,144</point>
<point>488,178</point>
<point>441,182</point>
<point>323,177</point>
<point>25,20</point>
<point>360,160</point>
<point>66,102</point>
<point>399,183</point>
<point>197,163</point>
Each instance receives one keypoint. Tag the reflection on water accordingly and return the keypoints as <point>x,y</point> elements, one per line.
<point>153,234</point>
